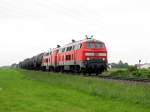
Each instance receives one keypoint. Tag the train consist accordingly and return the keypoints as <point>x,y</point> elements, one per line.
<point>87,56</point>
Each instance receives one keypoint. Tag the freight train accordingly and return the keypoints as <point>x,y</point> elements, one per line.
<point>86,56</point>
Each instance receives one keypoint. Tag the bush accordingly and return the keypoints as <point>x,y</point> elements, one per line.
<point>132,71</point>
<point>119,73</point>
<point>132,68</point>
<point>136,73</point>
<point>145,73</point>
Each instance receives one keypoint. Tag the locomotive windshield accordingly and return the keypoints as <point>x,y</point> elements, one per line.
<point>99,45</point>
<point>90,45</point>
<point>95,45</point>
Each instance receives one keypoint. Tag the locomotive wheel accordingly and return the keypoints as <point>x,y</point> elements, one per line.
<point>97,73</point>
<point>89,72</point>
<point>83,70</point>
<point>62,69</point>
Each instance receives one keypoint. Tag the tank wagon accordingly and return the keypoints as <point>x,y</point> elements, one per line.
<point>87,56</point>
<point>33,63</point>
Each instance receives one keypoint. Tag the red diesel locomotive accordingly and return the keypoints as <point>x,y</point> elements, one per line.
<point>87,56</point>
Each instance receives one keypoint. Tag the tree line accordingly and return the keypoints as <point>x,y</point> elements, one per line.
<point>120,64</point>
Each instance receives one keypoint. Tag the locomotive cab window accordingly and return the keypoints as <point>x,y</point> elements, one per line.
<point>73,47</point>
<point>50,52</point>
<point>78,46</point>
<point>90,45</point>
<point>63,50</point>
<point>99,45</point>
<point>69,48</point>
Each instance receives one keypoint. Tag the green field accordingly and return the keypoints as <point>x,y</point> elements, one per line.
<point>30,91</point>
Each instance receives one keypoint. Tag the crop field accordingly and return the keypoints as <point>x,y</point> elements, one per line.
<point>35,91</point>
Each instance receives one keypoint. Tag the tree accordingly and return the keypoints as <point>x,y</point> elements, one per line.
<point>120,64</point>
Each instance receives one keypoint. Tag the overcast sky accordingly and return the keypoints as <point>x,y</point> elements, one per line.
<point>29,27</point>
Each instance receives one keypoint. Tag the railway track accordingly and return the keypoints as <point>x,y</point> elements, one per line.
<point>129,79</point>
<point>144,80</point>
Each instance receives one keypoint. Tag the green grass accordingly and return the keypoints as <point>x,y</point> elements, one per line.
<point>131,72</point>
<point>30,91</point>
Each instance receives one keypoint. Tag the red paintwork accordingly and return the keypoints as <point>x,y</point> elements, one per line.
<point>56,57</point>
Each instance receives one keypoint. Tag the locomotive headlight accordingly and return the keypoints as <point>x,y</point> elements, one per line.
<point>87,58</point>
<point>103,59</point>
<point>102,54</point>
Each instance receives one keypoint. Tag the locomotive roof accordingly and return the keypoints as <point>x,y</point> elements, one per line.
<point>80,41</point>
<point>71,44</point>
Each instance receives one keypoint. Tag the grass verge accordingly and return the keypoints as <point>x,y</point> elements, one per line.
<point>32,91</point>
